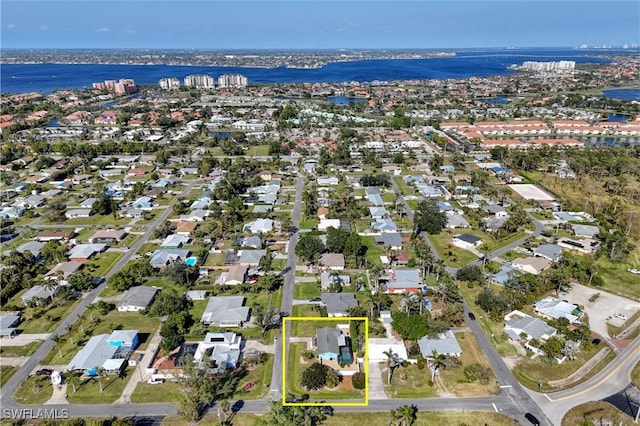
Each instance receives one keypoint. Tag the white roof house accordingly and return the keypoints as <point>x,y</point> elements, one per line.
<point>444,344</point>
<point>518,323</point>
<point>137,298</point>
<point>550,307</point>
<point>260,226</point>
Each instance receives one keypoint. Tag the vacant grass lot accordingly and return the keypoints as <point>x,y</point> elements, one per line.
<point>374,251</point>
<point>48,320</point>
<point>103,263</point>
<point>454,379</point>
<point>458,257</point>
<point>260,376</point>
<point>96,220</point>
<point>307,290</point>
<point>18,351</point>
<point>144,392</point>
<point>409,382</point>
<point>34,390</point>
<point>596,412</point>
<point>88,390</point>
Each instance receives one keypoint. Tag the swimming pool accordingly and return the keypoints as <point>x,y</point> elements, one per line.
<point>190,261</point>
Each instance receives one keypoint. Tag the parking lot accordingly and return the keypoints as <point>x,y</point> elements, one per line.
<point>603,309</point>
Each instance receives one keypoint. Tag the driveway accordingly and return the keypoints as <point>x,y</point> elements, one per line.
<point>23,339</point>
<point>602,309</point>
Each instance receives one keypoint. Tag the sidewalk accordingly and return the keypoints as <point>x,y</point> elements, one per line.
<point>139,374</point>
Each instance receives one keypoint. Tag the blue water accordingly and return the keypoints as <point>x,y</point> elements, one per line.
<point>190,261</point>
<point>498,100</point>
<point>344,100</point>
<point>618,118</point>
<point>623,94</point>
<point>20,78</point>
<point>53,123</point>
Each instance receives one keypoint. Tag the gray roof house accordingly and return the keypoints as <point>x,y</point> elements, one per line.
<point>226,311</point>
<point>333,261</point>
<point>518,323</point>
<point>551,252</point>
<point>161,258</point>
<point>589,231</point>
<point>137,298</point>
<point>222,348</point>
<point>8,325</point>
<point>37,292</point>
<point>391,239</point>
<point>403,280</point>
<point>444,344</point>
<point>251,257</point>
<point>338,303</point>
<point>327,278</point>
<point>31,246</point>
<point>333,345</point>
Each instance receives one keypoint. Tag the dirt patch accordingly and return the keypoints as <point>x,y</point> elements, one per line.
<point>511,361</point>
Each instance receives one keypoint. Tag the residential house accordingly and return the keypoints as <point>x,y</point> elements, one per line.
<point>466,241</point>
<point>37,294</point>
<point>143,203</point>
<point>455,220</point>
<point>45,236</point>
<point>83,252</point>
<point>504,274</point>
<point>105,352</point>
<point>75,213</point>
<point>62,271</point>
<point>393,240</point>
<point>251,257</point>
<point>32,247</point>
<point>400,280</point>
<point>531,265</point>
<point>8,324</point>
<point>88,203</point>
<point>137,298</point>
<point>253,241</point>
<point>237,275</point>
<point>327,279</point>
<point>588,231</point>
<point>222,349</point>
<point>174,241</point>
<point>377,212</point>
<point>328,181</point>
<point>186,228</point>
<point>260,226</point>
<point>225,311</point>
<point>444,344</point>
<point>551,252</point>
<point>332,345</point>
<point>108,237</point>
<point>328,223</point>
<point>197,215</point>
<point>337,304</point>
<point>550,307</point>
<point>384,225</point>
<point>585,245</point>
<point>197,294</point>
<point>332,261</point>
<point>519,324</point>
<point>163,257</point>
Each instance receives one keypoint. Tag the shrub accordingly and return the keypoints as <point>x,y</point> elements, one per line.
<point>359,380</point>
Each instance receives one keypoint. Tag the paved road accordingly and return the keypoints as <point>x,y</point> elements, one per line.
<point>287,291</point>
<point>6,397</point>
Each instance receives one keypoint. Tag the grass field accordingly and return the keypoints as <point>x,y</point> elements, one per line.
<point>635,375</point>
<point>18,351</point>
<point>454,379</point>
<point>103,263</point>
<point>88,391</point>
<point>307,290</point>
<point>425,418</point>
<point>6,371</point>
<point>409,382</point>
<point>48,321</point>
<point>442,244</point>
<point>261,377</point>
<point>144,392</point>
<point>596,412</point>
<point>34,390</point>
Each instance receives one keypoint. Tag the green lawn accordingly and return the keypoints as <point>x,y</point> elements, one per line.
<point>46,321</point>
<point>34,390</point>
<point>18,351</point>
<point>593,413</point>
<point>148,248</point>
<point>103,263</point>
<point>455,380</point>
<point>144,392</point>
<point>402,186</point>
<point>532,372</point>
<point>616,277</point>
<point>309,222</point>
<point>409,382</point>
<point>260,375</point>
<point>458,256</point>
<point>307,290</point>
<point>258,151</point>
<point>6,372</point>
<point>88,390</point>
<point>374,251</point>
<point>96,220</point>
<point>128,241</point>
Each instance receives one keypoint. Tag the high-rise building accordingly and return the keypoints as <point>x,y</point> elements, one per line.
<point>199,81</point>
<point>169,83</point>
<point>232,80</point>
<point>125,86</point>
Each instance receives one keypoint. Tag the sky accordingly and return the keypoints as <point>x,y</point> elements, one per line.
<point>306,24</point>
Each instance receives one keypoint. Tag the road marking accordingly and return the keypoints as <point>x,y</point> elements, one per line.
<point>505,386</point>
<point>494,407</point>
<point>548,397</point>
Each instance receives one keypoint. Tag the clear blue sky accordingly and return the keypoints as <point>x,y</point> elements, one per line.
<point>218,24</point>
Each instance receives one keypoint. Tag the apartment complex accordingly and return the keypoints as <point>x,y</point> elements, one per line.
<point>125,86</point>
<point>199,81</point>
<point>169,83</point>
<point>232,80</point>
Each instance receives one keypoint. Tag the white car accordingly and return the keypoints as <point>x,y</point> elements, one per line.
<point>153,381</point>
<point>623,317</point>
<point>633,271</point>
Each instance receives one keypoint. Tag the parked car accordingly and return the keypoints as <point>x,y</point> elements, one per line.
<point>618,315</point>
<point>533,419</point>
<point>315,299</point>
<point>44,372</point>
<point>153,381</point>
<point>472,316</point>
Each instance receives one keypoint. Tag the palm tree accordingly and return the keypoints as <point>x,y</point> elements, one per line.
<point>485,250</point>
<point>223,410</point>
<point>406,415</point>
<point>50,286</point>
<point>437,362</point>
<point>439,268</point>
<point>98,371</point>
<point>69,329</point>
<point>422,295</point>
<point>391,363</point>
<point>376,271</point>
<point>57,339</point>
<point>393,416</point>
